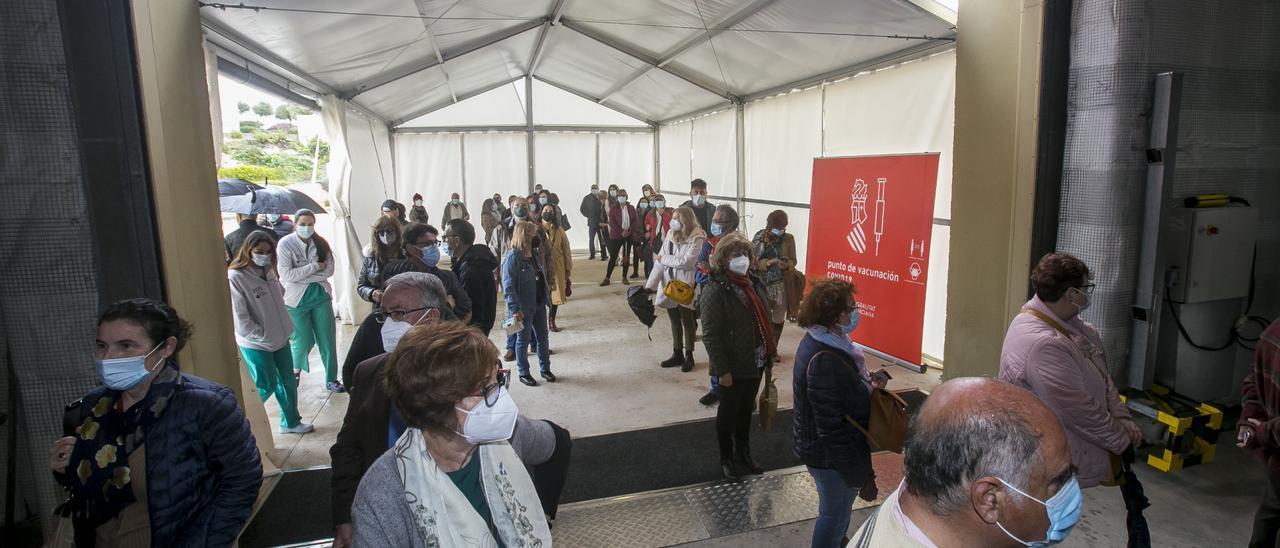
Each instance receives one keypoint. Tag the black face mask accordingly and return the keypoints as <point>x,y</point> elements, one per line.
<point>549,217</point>
<point>537,242</point>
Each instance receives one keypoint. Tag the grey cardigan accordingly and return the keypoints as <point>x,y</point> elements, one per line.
<point>379,516</point>
<point>257,304</point>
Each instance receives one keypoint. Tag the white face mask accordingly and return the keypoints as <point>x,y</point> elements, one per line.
<point>306,231</point>
<point>675,224</point>
<point>485,424</point>
<point>739,265</point>
<point>387,238</point>
<point>393,331</point>
<point>262,259</point>
<point>699,199</point>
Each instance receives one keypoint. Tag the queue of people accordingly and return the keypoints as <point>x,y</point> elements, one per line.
<point>991,462</point>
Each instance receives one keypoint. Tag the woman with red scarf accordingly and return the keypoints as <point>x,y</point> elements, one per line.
<point>739,339</point>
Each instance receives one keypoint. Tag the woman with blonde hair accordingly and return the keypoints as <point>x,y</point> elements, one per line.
<point>677,261</point>
<point>524,286</point>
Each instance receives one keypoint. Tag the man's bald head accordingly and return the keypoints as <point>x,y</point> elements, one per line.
<point>974,428</point>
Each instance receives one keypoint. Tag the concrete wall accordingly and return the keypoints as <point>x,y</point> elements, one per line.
<point>997,90</point>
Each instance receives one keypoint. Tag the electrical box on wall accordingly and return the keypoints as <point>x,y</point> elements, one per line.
<point>1210,253</point>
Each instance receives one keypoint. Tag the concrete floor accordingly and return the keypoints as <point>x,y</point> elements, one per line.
<point>610,382</point>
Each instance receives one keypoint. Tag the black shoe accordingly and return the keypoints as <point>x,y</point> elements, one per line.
<point>730,470</point>
<point>591,258</point>
<point>710,398</point>
<point>676,359</point>
<point>527,380</point>
<point>687,366</point>
<point>748,465</point>
<point>548,376</point>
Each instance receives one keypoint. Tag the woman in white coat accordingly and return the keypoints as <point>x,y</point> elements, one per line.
<point>677,260</point>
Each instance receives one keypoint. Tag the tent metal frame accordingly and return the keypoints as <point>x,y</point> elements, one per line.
<point>545,128</point>
<point>439,61</point>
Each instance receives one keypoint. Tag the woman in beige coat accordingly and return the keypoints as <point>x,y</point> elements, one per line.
<point>559,260</point>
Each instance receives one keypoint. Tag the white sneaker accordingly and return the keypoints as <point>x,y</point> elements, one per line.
<point>301,428</point>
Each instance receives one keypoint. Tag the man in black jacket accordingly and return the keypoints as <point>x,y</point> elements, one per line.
<point>248,224</point>
<point>591,209</point>
<point>474,266</point>
<point>422,248</point>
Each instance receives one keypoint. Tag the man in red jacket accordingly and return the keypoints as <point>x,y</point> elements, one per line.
<point>1258,431</point>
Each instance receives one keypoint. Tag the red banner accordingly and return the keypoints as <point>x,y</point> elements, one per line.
<point>870,223</point>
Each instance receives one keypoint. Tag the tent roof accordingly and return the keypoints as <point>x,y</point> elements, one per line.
<point>656,61</point>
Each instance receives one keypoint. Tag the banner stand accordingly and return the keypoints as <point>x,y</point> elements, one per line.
<point>896,361</point>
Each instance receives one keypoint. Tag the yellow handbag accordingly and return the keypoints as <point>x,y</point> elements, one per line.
<point>679,292</point>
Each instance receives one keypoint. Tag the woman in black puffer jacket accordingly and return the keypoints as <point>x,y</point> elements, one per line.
<point>155,457</point>
<point>830,382</point>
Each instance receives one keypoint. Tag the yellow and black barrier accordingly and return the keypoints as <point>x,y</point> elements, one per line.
<point>1189,429</point>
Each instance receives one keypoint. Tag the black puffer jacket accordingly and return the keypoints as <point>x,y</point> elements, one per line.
<point>475,270</point>
<point>728,329</point>
<point>203,470</point>
<point>372,277</point>
<point>827,387</point>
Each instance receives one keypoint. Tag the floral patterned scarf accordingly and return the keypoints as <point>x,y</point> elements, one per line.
<point>98,471</point>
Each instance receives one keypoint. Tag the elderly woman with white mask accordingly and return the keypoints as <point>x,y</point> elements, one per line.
<point>451,479</point>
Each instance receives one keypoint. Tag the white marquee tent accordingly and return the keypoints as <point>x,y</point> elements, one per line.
<point>492,96</point>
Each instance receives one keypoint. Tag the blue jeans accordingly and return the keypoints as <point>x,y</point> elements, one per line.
<point>835,503</point>
<point>511,343</point>
<point>535,331</point>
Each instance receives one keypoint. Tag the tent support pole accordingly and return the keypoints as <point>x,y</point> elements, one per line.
<point>740,110</point>
<point>657,161</point>
<point>528,129</point>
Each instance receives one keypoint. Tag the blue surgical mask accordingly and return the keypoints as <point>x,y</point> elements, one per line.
<point>853,321</point>
<point>273,218</point>
<point>1088,300</point>
<point>717,229</point>
<point>659,204</point>
<point>1063,509</point>
<point>520,211</point>
<point>431,255</point>
<point>776,231</point>
<point>262,259</point>
<point>447,250</point>
<point>124,373</point>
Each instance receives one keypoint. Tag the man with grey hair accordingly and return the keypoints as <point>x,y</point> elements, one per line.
<point>986,464</point>
<point>372,424</point>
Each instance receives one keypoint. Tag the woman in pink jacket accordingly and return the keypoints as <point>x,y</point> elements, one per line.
<point>1050,351</point>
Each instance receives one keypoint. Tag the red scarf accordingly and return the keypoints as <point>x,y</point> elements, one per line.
<point>764,329</point>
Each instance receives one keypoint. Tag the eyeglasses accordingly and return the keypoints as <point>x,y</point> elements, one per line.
<point>490,393</point>
<point>1087,288</point>
<point>397,315</point>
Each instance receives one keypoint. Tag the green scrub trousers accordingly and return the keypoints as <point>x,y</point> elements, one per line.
<point>313,325</point>
<point>272,372</point>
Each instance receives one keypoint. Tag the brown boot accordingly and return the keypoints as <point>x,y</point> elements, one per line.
<point>554,328</point>
<point>509,356</point>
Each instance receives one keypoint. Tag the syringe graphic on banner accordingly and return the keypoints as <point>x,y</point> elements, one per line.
<point>879,211</point>
<point>857,238</point>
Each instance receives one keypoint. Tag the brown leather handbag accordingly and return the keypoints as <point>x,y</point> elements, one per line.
<point>887,425</point>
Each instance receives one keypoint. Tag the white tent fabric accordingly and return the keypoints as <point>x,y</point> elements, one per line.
<point>431,164</point>
<point>626,159</point>
<point>565,163</point>
<point>783,136</point>
<point>659,60</point>
<point>553,106</point>
<point>675,157</point>
<point>346,242</point>
<point>715,153</point>
<point>501,106</point>
<point>495,163</point>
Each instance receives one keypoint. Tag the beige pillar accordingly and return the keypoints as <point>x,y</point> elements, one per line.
<point>175,111</point>
<point>997,100</point>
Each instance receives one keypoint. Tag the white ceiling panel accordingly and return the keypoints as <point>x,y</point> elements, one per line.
<point>796,39</point>
<point>467,75</point>
<point>662,96</point>
<point>572,59</point>
<point>463,23</point>
<point>337,49</point>
<point>652,27</point>
<point>414,93</point>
